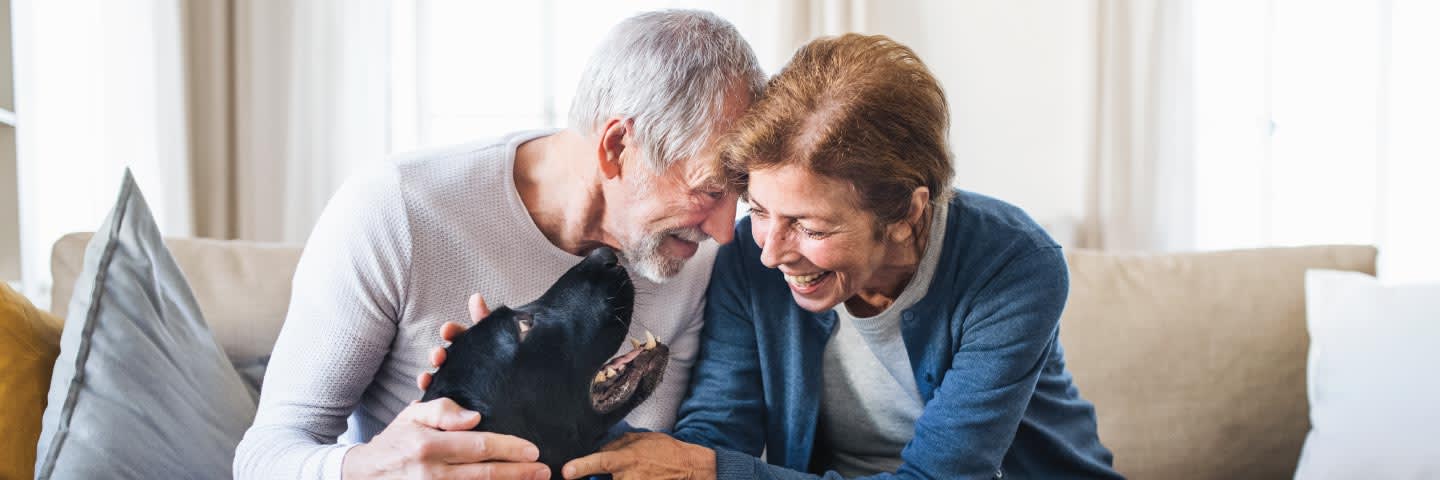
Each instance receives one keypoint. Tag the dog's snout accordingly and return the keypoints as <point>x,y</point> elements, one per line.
<point>605,256</point>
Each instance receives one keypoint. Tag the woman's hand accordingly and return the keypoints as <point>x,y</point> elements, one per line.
<point>642,456</point>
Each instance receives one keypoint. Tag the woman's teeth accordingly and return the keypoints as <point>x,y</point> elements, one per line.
<point>804,280</point>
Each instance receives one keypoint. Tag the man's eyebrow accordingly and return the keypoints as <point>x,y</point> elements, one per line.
<point>708,181</point>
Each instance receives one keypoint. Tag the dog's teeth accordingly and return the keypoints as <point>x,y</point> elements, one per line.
<point>599,377</point>
<point>649,340</point>
<point>637,343</point>
<point>610,373</point>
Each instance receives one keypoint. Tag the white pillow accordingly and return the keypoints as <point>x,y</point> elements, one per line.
<point>1374,378</point>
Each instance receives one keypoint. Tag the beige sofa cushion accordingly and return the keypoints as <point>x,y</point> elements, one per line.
<point>1196,362</point>
<point>243,287</point>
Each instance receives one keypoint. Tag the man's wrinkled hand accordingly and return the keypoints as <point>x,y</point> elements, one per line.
<point>644,456</point>
<point>433,440</point>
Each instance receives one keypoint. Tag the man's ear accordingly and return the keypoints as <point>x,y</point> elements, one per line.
<point>614,138</point>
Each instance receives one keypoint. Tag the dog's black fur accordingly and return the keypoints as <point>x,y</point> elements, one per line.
<point>537,371</point>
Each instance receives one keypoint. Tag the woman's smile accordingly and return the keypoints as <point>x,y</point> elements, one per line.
<point>808,283</point>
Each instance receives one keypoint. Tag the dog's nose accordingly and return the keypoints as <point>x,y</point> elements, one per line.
<point>606,256</point>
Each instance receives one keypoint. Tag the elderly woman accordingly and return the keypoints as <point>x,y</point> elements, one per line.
<point>868,318</point>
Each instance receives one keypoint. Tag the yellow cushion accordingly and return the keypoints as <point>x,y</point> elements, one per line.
<point>29,344</point>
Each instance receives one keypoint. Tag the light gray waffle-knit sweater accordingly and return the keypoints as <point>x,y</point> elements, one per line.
<point>395,254</point>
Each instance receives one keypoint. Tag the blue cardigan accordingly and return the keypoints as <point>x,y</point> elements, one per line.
<point>983,342</point>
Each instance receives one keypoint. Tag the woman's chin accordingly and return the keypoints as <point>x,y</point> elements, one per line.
<point>815,305</point>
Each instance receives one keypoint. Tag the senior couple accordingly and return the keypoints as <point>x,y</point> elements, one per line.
<point>865,319</point>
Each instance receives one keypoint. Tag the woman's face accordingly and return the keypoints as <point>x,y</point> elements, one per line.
<point>811,228</point>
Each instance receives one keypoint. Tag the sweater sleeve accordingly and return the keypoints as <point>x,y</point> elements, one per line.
<point>345,304</point>
<point>970,423</point>
<point>725,407</point>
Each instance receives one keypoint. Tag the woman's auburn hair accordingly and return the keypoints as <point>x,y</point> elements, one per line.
<point>861,109</point>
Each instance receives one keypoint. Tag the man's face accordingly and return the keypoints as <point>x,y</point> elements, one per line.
<point>665,215</point>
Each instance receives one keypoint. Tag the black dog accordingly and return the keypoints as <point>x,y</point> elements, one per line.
<point>543,372</point>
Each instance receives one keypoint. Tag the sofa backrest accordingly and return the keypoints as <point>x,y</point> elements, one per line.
<point>1196,362</point>
<point>243,287</point>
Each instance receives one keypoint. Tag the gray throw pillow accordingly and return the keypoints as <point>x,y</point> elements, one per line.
<point>140,389</point>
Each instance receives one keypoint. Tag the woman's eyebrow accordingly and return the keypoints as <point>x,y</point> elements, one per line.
<point>754,205</point>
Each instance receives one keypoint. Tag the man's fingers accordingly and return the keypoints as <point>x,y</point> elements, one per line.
<point>500,471</point>
<point>423,380</point>
<point>472,447</point>
<point>450,330</point>
<point>437,357</point>
<point>594,464</point>
<point>478,310</point>
<point>443,414</point>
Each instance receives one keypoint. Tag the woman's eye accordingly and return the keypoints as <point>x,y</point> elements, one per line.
<point>811,233</point>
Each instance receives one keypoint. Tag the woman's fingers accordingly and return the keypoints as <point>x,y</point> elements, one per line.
<point>595,464</point>
<point>649,456</point>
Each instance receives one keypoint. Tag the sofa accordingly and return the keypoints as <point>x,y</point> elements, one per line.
<point>1195,361</point>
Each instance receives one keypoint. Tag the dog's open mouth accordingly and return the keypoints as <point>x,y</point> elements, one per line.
<point>635,372</point>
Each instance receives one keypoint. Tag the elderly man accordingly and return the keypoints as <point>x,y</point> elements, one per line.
<point>399,248</point>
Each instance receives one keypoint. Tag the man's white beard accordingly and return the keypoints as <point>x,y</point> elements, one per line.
<point>645,259</point>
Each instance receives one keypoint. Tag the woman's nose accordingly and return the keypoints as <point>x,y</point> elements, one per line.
<point>775,250</point>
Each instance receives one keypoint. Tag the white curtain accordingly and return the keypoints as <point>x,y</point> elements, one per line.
<point>239,118</point>
<point>95,87</point>
<point>310,108</point>
<point>1139,194</point>
<point>804,20</point>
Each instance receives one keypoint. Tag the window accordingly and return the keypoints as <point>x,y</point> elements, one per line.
<point>465,70</point>
<point>1315,124</point>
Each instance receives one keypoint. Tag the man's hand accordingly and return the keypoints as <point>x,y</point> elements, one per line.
<point>433,440</point>
<point>641,456</point>
<point>448,332</point>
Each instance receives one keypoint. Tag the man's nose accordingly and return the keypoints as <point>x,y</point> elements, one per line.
<point>720,223</point>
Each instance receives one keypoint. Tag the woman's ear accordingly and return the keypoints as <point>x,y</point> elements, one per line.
<point>905,229</point>
<point>614,138</point>
<point>919,199</point>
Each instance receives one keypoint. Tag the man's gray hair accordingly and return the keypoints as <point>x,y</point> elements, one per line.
<point>670,72</point>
